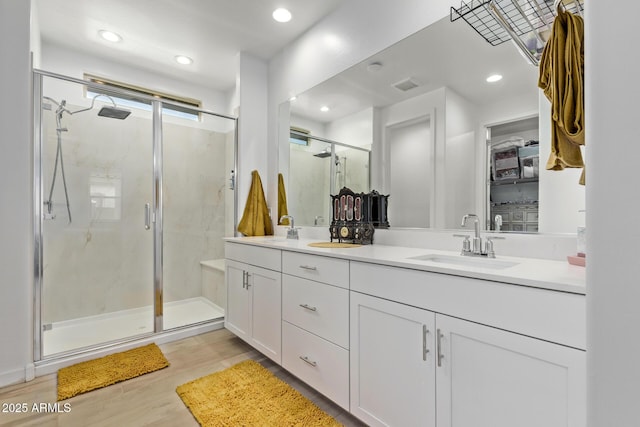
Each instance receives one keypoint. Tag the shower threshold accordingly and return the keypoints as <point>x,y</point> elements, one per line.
<point>89,331</point>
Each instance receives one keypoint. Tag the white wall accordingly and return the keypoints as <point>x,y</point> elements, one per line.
<point>355,129</point>
<point>252,89</point>
<point>16,248</point>
<point>613,287</point>
<point>460,160</point>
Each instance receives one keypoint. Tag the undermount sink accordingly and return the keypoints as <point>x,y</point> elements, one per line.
<point>481,262</point>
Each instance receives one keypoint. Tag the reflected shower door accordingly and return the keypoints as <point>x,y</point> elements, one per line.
<point>198,212</point>
<point>97,251</point>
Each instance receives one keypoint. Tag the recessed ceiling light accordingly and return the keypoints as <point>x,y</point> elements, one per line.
<point>184,60</point>
<point>324,109</point>
<point>110,36</point>
<point>494,78</point>
<point>293,98</point>
<point>281,15</point>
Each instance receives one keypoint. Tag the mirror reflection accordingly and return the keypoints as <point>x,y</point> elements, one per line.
<point>433,124</point>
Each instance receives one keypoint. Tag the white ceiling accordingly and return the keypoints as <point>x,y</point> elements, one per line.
<point>212,32</point>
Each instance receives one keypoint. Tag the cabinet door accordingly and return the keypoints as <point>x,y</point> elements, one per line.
<point>237,315</point>
<point>392,363</point>
<point>266,311</point>
<point>493,378</point>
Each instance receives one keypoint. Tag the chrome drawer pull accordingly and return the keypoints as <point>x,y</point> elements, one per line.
<point>308,267</point>
<point>425,350</point>
<point>308,307</point>
<point>306,360</point>
<point>439,337</point>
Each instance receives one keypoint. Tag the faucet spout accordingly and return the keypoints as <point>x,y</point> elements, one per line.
<point>289,217</point>
<point>477,243</point>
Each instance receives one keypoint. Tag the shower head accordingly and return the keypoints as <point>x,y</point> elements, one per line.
<point>323,154</point>
<point>114,112</point>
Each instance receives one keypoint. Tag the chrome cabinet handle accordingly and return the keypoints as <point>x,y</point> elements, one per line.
<point>248,284</point>
<point>306,360</point>
<point>425,350</point>
<point>308,307</point>
<point>244,280</point>
<point>147,216</point>
<point>439,343</point>
<point>309,267</point>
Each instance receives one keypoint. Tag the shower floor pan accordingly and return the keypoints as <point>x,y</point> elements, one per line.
<point>93,330</point>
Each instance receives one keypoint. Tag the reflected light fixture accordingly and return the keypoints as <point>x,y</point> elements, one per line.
<point>281,15</point>
<point>110,36</point>
<point>184,60</point>
<point>293,98</point>
<point>494,78</point>
<point>324,108</point>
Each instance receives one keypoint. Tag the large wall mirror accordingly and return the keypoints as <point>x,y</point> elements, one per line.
<point>423,124</point>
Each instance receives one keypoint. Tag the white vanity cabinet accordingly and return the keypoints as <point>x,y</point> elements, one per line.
<point>315,322</point>
<point>412,365</point>
<point>254,288</point>
<point>392,363</point>
<point>494,378</point>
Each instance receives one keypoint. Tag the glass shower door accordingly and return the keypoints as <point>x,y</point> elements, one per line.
<point>96,235</point>
<point>198,155</point>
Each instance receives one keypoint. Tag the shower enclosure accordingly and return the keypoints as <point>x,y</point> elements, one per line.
<point>130,210</point>
<point>321,167</point>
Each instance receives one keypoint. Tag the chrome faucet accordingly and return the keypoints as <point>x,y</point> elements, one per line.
<point>292,233</point>
<point>477,240</point>
<point>479,249</point>
<point>319,219</point>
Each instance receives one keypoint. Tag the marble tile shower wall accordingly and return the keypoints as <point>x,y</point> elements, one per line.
<point>309,181</point>
<point>102,261</point>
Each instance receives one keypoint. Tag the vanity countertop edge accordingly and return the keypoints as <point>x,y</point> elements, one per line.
<point>533,272</point>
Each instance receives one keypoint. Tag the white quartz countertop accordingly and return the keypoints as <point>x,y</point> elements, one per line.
<point>540,273</point>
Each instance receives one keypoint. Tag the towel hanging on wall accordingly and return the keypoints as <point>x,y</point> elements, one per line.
<point>282,201</point>
<point>562,80</point>
<point>255,219</point>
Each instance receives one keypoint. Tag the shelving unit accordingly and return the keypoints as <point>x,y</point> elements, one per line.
<point>526,22</point>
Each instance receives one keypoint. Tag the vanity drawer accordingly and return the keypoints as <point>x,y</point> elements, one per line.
<point>317,362</point>
<point>318,308</point>
<point>333,271</point>
<point>254,255</point>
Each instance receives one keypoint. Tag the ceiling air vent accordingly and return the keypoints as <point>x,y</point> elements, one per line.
<point>405,85</point>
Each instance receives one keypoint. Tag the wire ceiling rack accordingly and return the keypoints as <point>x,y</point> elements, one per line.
<point>527,22</point>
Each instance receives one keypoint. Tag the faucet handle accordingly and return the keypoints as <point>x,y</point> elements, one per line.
<point>488,245</point>
<point>466,243</point>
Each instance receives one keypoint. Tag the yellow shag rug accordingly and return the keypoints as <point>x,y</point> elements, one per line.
<point>93,374</point>
<point>247,394</point>
<point>334,245</point>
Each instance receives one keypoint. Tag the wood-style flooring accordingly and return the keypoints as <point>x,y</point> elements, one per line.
<point>149,400</point>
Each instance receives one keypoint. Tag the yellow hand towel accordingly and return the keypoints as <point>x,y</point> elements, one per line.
<point>255,219</point>
<point>282,201</point>
<point>562,80</point>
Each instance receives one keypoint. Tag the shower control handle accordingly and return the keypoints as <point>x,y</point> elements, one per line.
<point>147,216</point>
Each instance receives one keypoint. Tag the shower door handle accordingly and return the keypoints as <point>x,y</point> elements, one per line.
<point>147,216</point>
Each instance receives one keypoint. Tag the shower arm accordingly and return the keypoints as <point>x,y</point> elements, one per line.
<point>93,101</point>
<point>62,109</point>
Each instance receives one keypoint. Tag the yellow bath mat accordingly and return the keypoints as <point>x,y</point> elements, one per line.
<point>334,245</point>
<point>93,374</point>
<point>247,394</point>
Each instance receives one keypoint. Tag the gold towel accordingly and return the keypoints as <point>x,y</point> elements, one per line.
<point>255,219</point>
<point>562,80</point>
<point>282,201</point>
